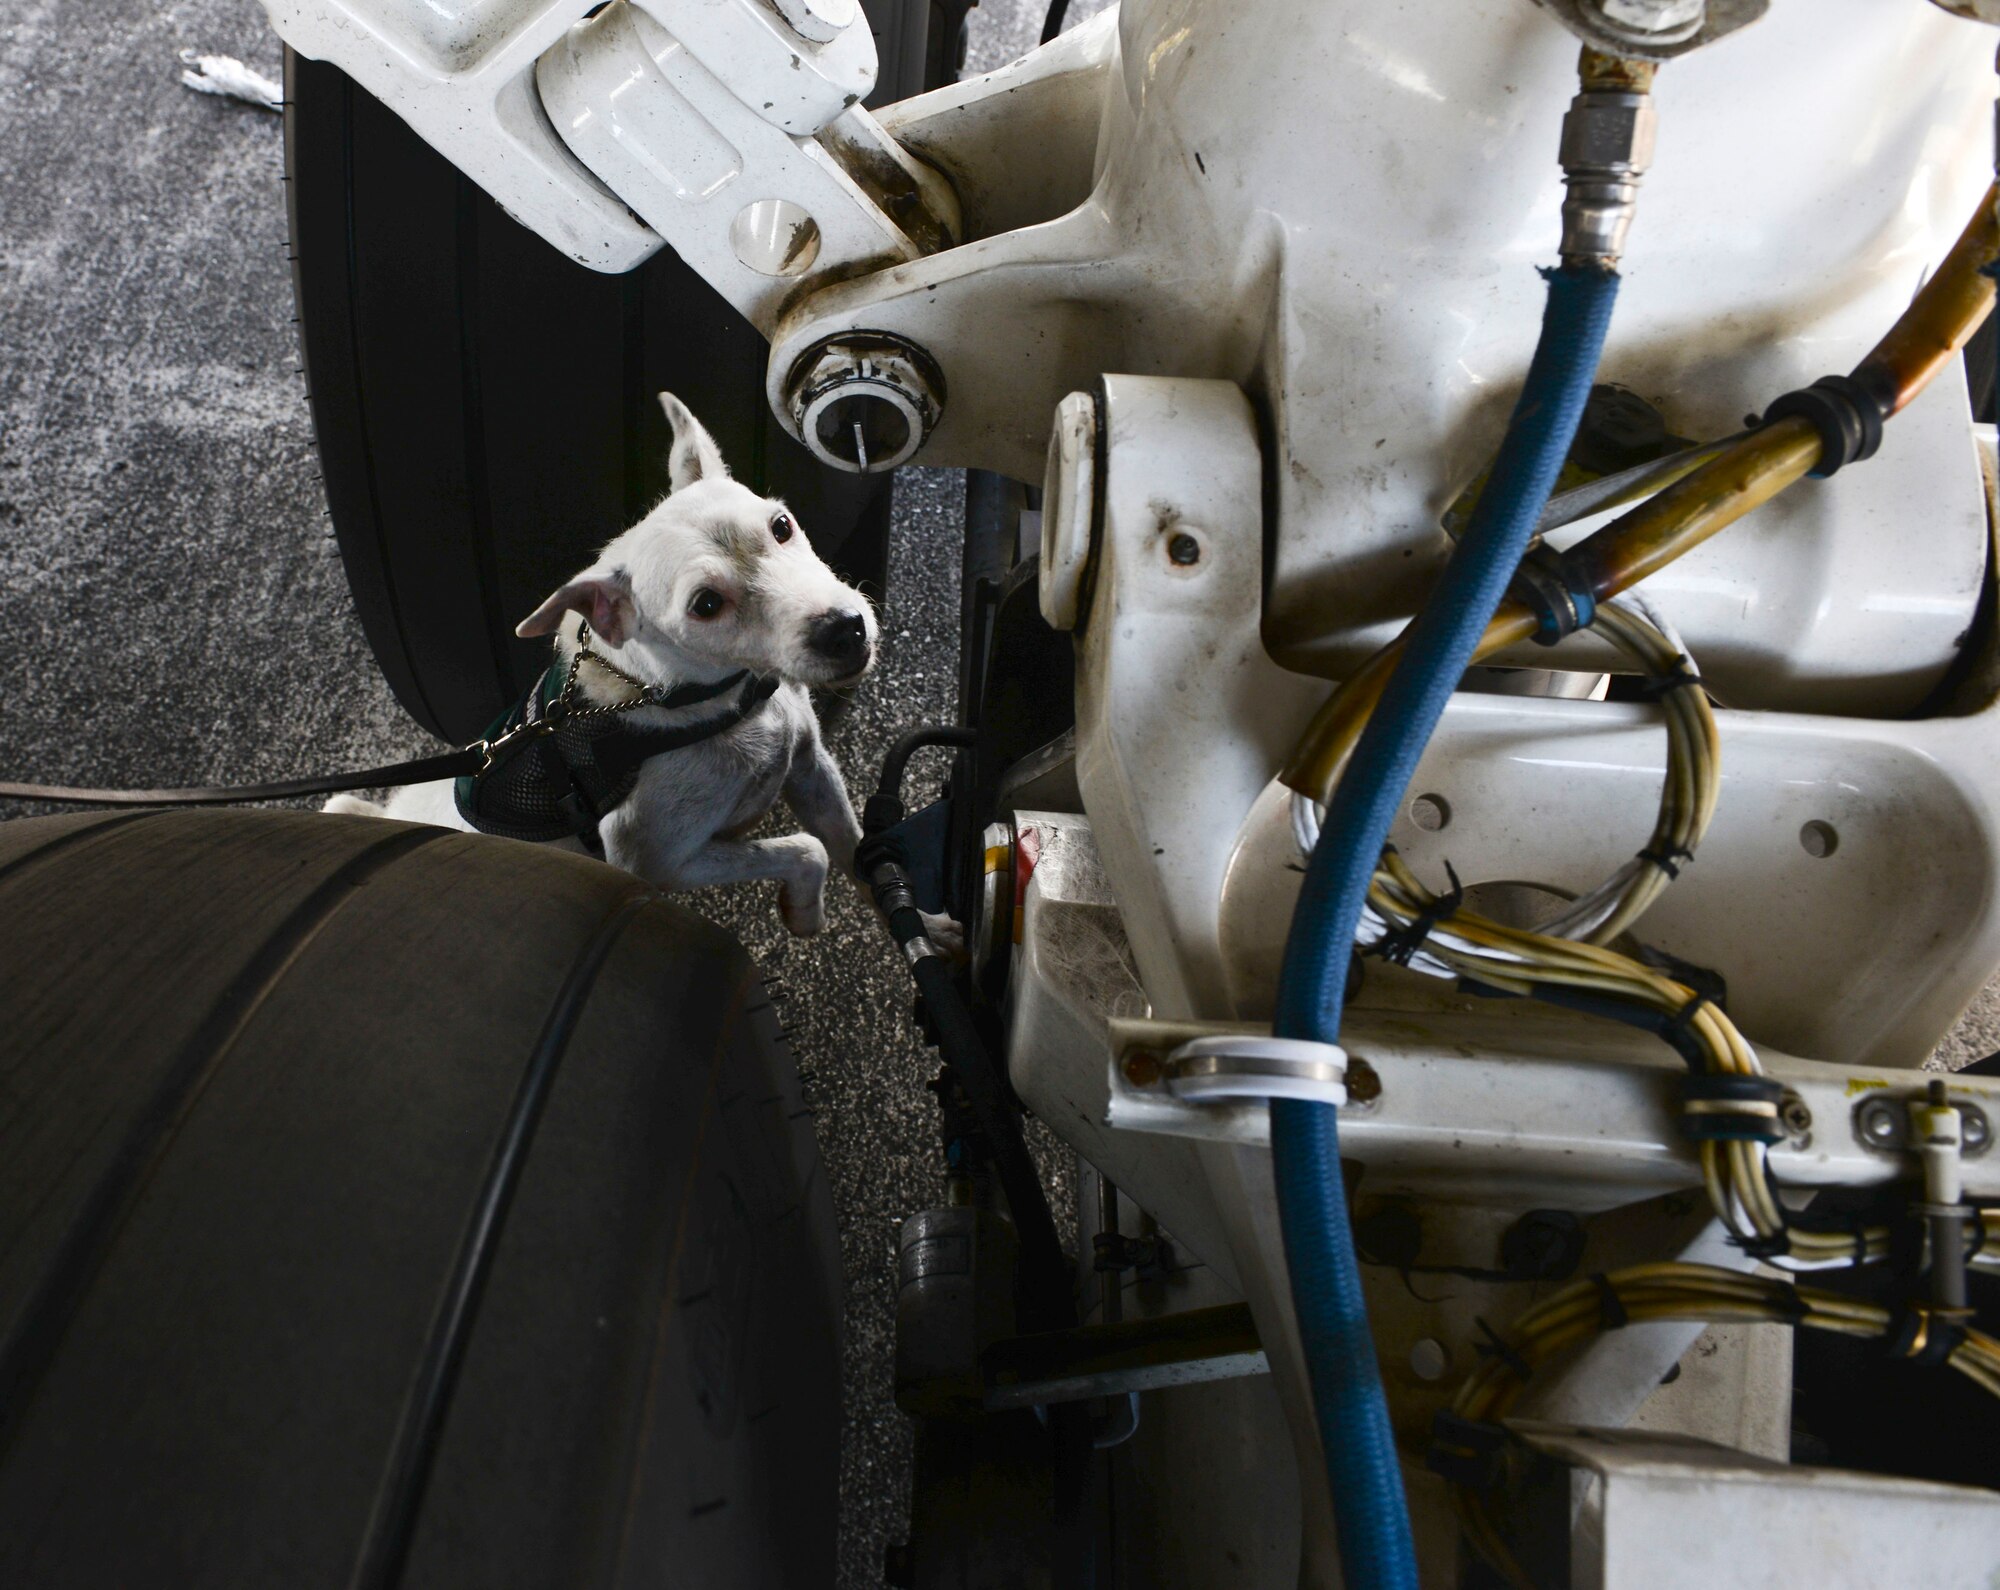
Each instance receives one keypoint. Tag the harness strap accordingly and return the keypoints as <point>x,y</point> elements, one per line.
<point>693,695</point>
<point>620,753</point>
<point>554,772</point>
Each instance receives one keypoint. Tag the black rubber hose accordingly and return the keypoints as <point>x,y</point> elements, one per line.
<point>971,1067</point>
<point>891,782</point>
<point>880,860</point>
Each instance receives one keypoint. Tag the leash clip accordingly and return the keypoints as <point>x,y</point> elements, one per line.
<point>489,750</point>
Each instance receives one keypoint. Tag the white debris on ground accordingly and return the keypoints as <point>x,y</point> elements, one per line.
<point>229,77</point>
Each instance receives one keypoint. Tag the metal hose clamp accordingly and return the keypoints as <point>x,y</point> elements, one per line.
<point>1257,1066</point>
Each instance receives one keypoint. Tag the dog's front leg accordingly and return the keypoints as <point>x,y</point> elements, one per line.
<point>818,797</point>
<point>796,861</point>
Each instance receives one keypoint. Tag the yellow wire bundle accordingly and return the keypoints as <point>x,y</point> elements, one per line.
<point>1649,1293</point>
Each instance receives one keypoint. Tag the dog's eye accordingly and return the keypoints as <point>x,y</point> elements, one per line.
<point>782,527</point>
<point>706,603</point>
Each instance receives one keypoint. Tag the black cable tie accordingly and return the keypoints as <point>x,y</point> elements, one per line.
<point>1667,858</point>
<point>1791,1305</point>
<point>1495,1347</point>
<point>1466,1452</point>
<point>1678,1030</point>
<point>1774,1245</point>
<point>1544,584</point>
<point>1701,979</point>
<point>1847,416</point>
<point>1653,686</point>
<point>1851,1223</point>
<point>1611,1314</point>
<point>1399,945</point>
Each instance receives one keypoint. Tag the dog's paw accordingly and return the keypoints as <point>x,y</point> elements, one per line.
<point>803,908</point>
<point>946,934</point>
<point>802,895</point>
<point>352,805</point>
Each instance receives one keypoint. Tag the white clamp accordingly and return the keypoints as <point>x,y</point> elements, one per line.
<point>1257,1066</point>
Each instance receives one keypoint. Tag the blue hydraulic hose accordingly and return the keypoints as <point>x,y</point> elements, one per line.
<point>1369,1510</point>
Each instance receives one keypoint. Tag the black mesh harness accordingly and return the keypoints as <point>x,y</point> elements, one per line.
<point>555,769</point>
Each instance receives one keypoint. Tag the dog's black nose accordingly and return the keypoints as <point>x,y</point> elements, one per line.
<point>840,637</point>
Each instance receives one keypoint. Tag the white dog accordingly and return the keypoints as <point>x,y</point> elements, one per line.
<point>688,713</point>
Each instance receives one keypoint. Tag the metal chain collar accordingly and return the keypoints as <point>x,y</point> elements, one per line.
<point>561,710</point>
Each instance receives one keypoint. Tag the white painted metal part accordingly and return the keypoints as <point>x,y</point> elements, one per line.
<point>1341,208</point>
<point>730,128</point>
<point>720,125</point>
<point>461,73</point>
<point>1069,510</point>
<point>1659,1510</point>
<point>1338,209</point>
<point>1824,825</point>
<point>1565,1114</point>
<point>1534,1104</point>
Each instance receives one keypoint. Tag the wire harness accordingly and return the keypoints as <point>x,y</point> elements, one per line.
<point>1469,1442</point>
<point>1742,477</point>
<point>1688,795</point>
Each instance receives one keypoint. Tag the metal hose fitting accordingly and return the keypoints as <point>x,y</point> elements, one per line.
<point>1607,144</point>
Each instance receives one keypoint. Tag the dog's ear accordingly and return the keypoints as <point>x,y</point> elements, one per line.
<point>602,596</point>
<point>695,455</point>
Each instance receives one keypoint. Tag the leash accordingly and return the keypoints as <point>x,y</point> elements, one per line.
<point>468,761</point>
<point>454,764</point>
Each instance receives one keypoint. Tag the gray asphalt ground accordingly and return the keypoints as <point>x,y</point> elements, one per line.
<point>174,605</point>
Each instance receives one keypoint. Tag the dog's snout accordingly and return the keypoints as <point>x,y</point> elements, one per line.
<point>840,636</point>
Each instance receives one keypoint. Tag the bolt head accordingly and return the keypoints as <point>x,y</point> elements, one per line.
<point>1880,1122</point>
<point>1974,1129</point>
<point>1142,1068</point>
<point>1364,1082</point>
<point>1183,549</point>
<point>1670,18</point>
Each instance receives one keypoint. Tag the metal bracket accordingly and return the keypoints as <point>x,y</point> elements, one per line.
<point>1519,1104</point>
<point>1112,1360</point>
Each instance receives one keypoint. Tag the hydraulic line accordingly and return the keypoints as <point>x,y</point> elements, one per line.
<point>1606,144</point>
<point>880,863</point>
<point>1947,310</point>
<point>1369,1509</point>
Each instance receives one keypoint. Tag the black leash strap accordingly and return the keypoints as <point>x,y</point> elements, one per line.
<point>450,764</point>
<point>467,761</point>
